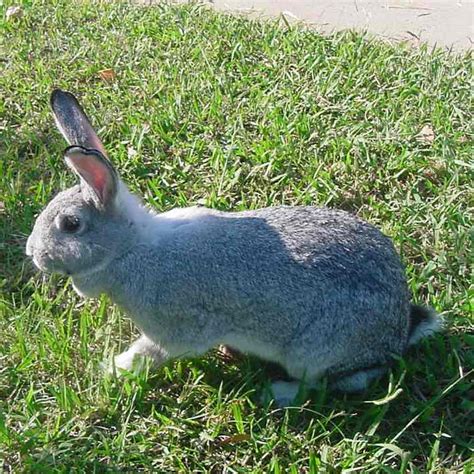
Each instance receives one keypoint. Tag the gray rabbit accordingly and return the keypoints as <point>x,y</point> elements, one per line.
<point>316,290</point>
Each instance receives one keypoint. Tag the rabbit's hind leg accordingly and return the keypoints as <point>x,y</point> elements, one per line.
<point>284,393</point>
<point>357,381</point>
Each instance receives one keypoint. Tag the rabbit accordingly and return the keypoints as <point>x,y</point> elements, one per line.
<point>316,290</point>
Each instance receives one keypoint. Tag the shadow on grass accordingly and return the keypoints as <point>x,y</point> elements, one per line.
<point>425,394</point>
<point>214,404</point>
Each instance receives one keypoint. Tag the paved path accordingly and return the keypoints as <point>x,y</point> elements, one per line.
<point>447,23</point>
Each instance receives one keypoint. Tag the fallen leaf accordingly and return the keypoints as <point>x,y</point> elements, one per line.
<point>426,135</point>
<point>13,12</point>
<point>107,75</point>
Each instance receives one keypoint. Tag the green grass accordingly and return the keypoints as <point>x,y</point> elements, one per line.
<point>234,114</point>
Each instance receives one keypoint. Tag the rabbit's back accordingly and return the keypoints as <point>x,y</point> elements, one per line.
<point>299,248</point>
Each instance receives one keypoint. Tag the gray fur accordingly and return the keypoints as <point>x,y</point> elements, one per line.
<point>316,290</point>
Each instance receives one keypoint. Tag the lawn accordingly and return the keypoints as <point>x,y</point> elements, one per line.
<point>202,108</point>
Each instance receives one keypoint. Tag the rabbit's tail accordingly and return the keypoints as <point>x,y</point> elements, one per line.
<point>423,322</point>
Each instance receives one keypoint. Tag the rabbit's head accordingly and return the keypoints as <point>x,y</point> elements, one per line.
<point>85,227</point>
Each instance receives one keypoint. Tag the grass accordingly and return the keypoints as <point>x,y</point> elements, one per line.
<point>234,114</point>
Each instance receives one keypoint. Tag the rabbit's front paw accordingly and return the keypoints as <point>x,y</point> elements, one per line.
<point>125,360</point>
<point>142,353</point>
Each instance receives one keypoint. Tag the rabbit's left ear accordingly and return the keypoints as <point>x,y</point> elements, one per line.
<point>97,174</point>
<point>73,123</point>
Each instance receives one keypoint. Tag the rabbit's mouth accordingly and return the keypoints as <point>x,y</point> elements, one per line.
<point>47,265</point>
<point>41,265</point>
<point>43,260</point>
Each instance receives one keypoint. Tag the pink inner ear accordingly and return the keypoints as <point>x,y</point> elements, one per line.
<point>93,172</point>
<point>96,174</point>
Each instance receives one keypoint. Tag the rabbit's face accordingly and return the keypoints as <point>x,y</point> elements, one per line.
<point>84,228</point>
<point>73,236</point>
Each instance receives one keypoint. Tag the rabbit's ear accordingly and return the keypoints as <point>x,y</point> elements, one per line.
<point>96,172</point>
<point>73,123</point>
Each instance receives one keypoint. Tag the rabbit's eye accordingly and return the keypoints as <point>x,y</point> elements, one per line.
<point>69,224</point>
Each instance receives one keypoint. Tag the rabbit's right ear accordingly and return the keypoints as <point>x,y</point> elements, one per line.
<point>73,123</point>
<point>99,180</point>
